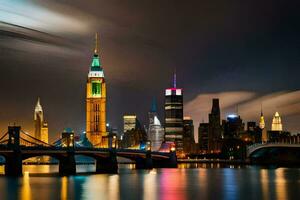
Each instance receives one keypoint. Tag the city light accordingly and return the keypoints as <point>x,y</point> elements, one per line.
<point>149,100</point>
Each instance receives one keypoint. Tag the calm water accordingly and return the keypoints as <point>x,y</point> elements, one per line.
<point>185,182</point>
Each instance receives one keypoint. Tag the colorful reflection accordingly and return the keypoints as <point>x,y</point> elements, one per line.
<point>165,184</point>
<point>150,185</point>
<point>64,188</point>
<point>203,182</point>
<point>280,184</point>
<point>25,188</point>
<point>172,184</point>
<point>264,180</point>
<point>113,187</point>
<point>2,169</point>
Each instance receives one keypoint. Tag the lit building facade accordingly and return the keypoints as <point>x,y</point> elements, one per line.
<point>174,116</point>
<point>129,122</point>
<point>96,103</point>
<point>155,131</point>
<point>276,122</point>
<point>188,135</point>
<point>40,126</point>
<point>67,138</point>
<point>262,126</point>
<point>44,133</point>
<point>134,134</point>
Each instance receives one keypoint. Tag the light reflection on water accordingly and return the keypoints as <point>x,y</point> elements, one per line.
<point>185,182</point>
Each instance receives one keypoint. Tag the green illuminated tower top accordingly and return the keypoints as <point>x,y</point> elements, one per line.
<point>96,69</point>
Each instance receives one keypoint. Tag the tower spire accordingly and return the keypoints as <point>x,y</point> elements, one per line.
<point>261,110</point>
<point>153,105</point>
<point>96,50</point>
<point>174,79</point>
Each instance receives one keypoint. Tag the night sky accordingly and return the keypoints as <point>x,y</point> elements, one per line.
<point>244,52</point>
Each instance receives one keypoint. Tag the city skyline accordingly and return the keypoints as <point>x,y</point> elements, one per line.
<point>255,67</point>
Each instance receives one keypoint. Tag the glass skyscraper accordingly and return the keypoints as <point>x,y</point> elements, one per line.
<point>174,116</point>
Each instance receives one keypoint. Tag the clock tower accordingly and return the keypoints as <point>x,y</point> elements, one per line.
<point>96,102</point>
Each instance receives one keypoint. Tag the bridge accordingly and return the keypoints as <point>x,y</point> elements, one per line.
<point>16,146</point>
<point>274,153</point>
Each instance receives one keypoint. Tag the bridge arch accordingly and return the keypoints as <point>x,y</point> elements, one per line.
<point>280,154</point>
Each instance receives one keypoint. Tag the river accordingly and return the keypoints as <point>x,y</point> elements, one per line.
<point>188,181</point>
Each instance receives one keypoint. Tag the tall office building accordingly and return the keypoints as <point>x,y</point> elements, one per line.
<point>174,116</point>
<point>203,137</point>
<point>155,131</point>
<point>215,131</point>
<point>40,126</point>
<point>233,126</point>
<point>96,102</point>
<point>276,122</point>
<point>134,134</point>
<point>188,135</point>
<point>262,126</point>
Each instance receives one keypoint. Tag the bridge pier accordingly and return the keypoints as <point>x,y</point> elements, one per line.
<point>166,163</point>
<point>144,163</point>
<point>67,165</point>
<point>107,165</point>
<point>13,165</point>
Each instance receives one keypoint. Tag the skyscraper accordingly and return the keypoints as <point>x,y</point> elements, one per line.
<point>155,130</point>
<point>134,134</point>
<point>129,122</point>
<point>40,126</point>
<point>233,126</point>
<point>188,135</point>
<point>174,116</point>
<point>262,126</point>
<point>214,132</point>
<point>276,122</point>
<point>203,137</point>
<point>96,102</point>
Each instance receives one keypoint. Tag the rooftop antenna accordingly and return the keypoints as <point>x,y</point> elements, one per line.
<point>174,79</point>
<point>96,50</point>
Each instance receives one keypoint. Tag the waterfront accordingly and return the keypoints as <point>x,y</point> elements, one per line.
<point>188,181</point>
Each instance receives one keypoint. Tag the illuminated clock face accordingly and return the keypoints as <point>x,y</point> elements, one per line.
<point>96,88</point>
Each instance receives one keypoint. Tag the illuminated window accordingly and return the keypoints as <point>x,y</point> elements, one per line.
<point>96,88</point>
<point>168,92</point>
<point>178,92</point>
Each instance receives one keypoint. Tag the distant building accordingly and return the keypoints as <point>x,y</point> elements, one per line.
<point>188,135</point>
<point>134,133</point>
<point>215,131</point>
<point>129,122</point>
<point>276,122</point>
<point>40,126</point>
<point>233,127</point>
<point>203,137</point>
<point>96,102</point>
<point>44,133</point>
<point>264,134</point>
<point>155,131</point>
<point>174,116</point>
<point>262,121</point>
<point>67,138</point>
<point>252,134</point>
<point>251,126</point>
